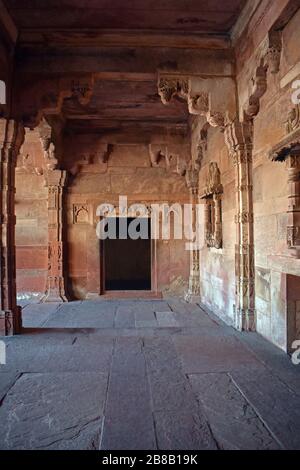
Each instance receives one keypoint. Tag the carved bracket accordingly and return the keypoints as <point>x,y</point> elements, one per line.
<point>269,61</point>
<point>170,159</point>
<point>202,96</point>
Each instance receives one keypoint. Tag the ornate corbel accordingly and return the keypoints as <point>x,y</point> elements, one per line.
<point>199,102</point>
<point>82,89</point>
<point>171,86</point>
<point>273,54</point>
<point>172,161</point>
<point>46,138</point>
<point>259,88</point>
<point>104,152</point>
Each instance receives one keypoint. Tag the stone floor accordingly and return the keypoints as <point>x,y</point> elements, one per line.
<point>144,374</point>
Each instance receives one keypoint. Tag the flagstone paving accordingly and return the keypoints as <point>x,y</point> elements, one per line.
<point>144,374</point>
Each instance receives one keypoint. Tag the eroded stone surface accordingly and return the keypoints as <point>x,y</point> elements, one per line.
<point>233,421</point>
<point>54,411</point>
<point>199,385</point>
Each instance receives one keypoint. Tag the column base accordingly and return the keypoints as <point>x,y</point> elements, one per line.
<point>54,297</point>
<point>11,322</point>
<point>55,291</point>
<point>192,298</point>
<point>245,320</point>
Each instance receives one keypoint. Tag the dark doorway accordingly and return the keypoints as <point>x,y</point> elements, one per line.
<point>127,262</point>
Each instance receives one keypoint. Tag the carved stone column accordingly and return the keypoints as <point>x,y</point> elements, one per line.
<point>55,287</point>
<point>193,293</point>
<point>11,139</point>
<point>293,228</point>
<point>238,136</point>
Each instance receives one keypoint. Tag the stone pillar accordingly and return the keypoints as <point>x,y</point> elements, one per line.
<point>55,287</point>
<point>218,234</point>
<point>238,136</point>
<point>193,293</point>
<point>11,139</point>
<point>293,229</point>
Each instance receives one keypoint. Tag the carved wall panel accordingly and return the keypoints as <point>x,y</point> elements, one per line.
<point>213,207</point>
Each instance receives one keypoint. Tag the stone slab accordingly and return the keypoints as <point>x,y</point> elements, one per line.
<point>53,411</point>
<point>276,405</point>
<point>214,351</point>
<point>183,431</point>
<point>233,421</point>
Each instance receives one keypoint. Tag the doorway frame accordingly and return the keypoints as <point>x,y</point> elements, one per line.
<point>153,268</point>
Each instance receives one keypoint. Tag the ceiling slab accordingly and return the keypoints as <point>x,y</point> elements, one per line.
<point>186,16</point>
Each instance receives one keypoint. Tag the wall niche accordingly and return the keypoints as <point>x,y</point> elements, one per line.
<point>213,207</point>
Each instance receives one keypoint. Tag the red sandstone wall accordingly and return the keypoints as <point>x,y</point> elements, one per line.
<point>129,173</point>
<point>217,278</point>
<point>32,225</point>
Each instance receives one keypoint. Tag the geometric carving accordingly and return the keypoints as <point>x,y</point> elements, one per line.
<point>213,208</point>
<point>192,182</point>
<point>80,214</point>
<point>55,285</point>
